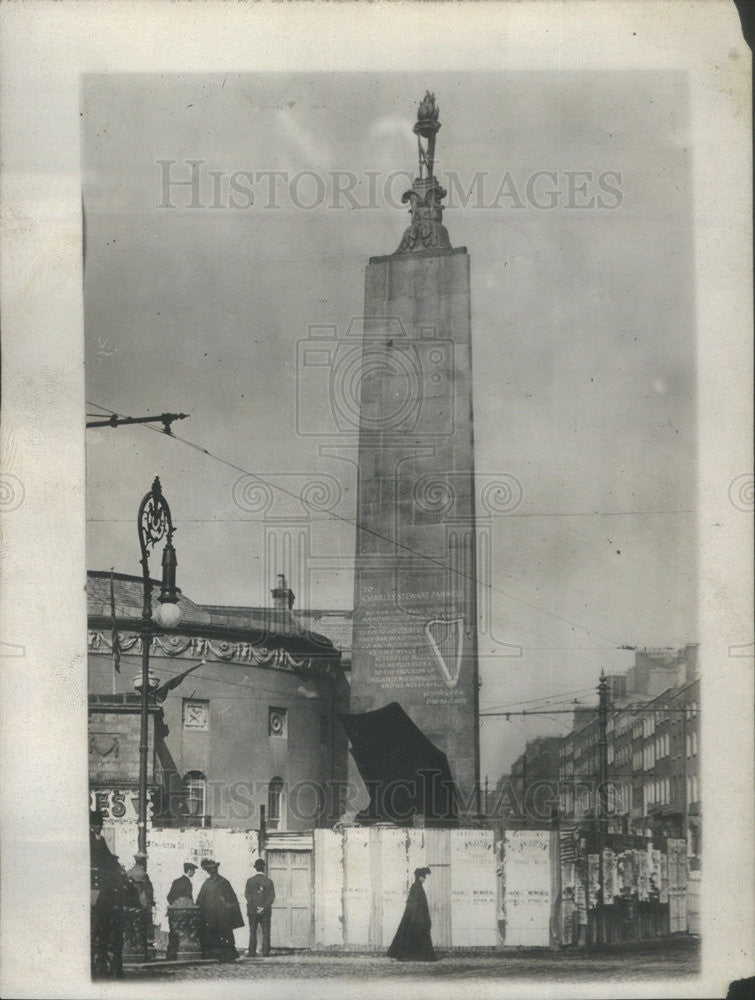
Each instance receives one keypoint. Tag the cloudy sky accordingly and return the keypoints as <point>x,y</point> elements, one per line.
<point>578,229</point>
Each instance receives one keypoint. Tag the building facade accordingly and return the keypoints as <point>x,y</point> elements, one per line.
<point>652,753</point>
<point>249,737</point>
<point>529,793</point>
<point>652,750</point>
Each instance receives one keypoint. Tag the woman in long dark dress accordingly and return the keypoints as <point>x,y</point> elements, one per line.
<point>412,941</point>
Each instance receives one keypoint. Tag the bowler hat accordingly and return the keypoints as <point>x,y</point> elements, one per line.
<point>421,871</point>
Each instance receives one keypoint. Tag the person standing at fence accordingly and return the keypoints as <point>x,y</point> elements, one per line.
<point>219,908</point>
<point>143,883</point>
<point>180,896</point>
<point>260,896</point>
<point>412,941</point>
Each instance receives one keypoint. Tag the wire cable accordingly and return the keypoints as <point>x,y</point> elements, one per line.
<point>355,524</point>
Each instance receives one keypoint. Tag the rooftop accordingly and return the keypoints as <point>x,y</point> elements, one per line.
<point>273,623</point>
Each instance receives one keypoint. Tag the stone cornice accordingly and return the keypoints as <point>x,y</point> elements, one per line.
<point>201,644</point>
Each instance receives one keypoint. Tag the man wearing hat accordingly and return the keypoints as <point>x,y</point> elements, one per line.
<point>181,888</point>
<point>219,907</point>
<point>143,884</point>
<point>260,896</point>
<point>100,854</point>
<point>181,895</point>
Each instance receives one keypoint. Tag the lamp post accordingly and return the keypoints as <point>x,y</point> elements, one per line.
<point>154,523</point>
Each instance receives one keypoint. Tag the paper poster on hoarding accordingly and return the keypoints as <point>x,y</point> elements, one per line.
<point>677,863</point>
<point>593,880</point>
<point>643,878</point>
<point>610,876</point>
<point>627,874</point>
<point>580,895</point>
<point>528,887</point>
<point>664,879</point>
<point>654,875</point>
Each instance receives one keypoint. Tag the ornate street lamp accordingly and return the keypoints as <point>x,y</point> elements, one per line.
<point>154,523</point>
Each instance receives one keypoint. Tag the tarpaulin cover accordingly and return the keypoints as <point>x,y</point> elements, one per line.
<point>403,771</point>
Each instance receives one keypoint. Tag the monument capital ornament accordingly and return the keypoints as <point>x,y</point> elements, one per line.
<point>426,231</point>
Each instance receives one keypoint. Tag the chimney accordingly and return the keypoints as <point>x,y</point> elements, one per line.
<point>689,663</point>
<point>283,596</point>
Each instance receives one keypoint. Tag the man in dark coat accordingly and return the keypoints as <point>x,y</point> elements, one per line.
<point>260,896</point>
<point>181,894</point>
<point>182,888</point>
<point>101,857</point>
<point>109,897</point>
<point>412,941</point>
<point>219,907</point>
<point>143,884</point>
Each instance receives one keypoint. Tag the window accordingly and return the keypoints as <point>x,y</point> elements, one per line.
<point>277,723</point>
<point>196,714</point>
<point>196,793</point>
<point>324,727</point>
<point>275,804</point>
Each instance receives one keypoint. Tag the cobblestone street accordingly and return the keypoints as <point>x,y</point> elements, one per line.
<point>659,960</point>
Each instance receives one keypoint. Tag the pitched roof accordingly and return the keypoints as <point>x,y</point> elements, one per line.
<point>278,625</point>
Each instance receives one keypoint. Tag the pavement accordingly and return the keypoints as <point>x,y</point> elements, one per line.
<point>666,958</point>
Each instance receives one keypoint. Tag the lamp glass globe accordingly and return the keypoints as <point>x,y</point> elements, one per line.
<point>168,615</point>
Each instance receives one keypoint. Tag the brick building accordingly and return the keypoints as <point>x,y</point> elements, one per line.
<point>652,749</point>
<point>529,792</point>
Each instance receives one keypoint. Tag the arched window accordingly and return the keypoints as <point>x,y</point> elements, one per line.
<point>196,793</point>
<point>275,805</point>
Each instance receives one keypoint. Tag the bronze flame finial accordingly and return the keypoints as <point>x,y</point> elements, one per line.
<point>427,231</point>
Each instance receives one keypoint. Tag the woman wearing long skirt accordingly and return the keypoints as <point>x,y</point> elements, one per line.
<point>412,941</point>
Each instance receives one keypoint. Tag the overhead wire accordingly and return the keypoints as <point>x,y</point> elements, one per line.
<point>377,534</point>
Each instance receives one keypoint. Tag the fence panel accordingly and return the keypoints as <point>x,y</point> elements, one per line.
<point>329,871</point>
<point>527,878</point>
<point>357,896</point>
<point>393,859</point>
<point>438,886</point>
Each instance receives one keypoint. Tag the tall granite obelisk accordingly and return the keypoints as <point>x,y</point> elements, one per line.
<point>415,639</point>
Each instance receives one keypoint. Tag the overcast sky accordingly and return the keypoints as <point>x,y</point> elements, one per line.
<point>582,332</point>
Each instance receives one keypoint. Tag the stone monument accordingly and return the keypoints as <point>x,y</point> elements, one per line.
<point>415,617</point>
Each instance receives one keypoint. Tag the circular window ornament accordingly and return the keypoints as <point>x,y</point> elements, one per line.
<point>277,722</point>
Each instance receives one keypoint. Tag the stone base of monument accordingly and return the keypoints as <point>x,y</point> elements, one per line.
<point>184,937</point>
<point>137,941</point>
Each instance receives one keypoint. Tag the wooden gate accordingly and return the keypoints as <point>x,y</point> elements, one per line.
<point>291,872</point>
